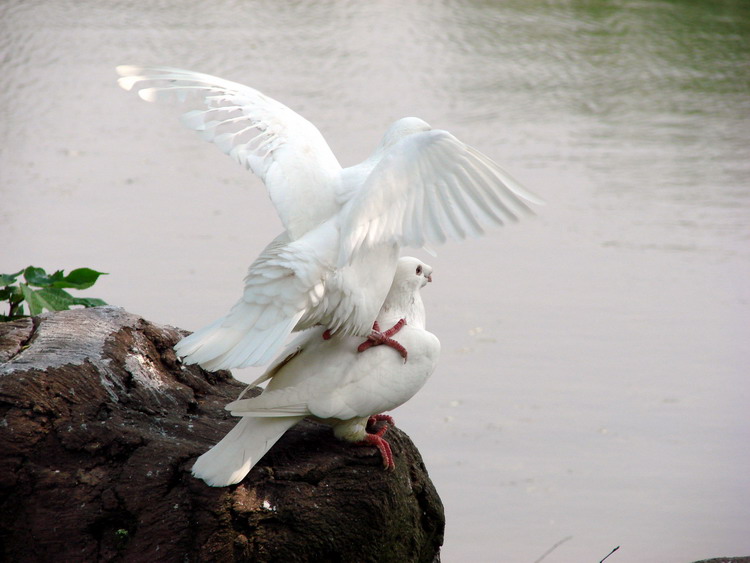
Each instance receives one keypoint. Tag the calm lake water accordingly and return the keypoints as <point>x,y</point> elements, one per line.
<point>593,386</point>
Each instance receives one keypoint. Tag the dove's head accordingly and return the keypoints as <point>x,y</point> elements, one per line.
<point>412,274</point>
<point>403,128</point>
<point>403,300</point>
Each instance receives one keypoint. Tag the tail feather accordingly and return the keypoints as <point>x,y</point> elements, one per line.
<point>258,347</point>
<point>281,286</point>
<point>229,461</point>
<point>221,345</point>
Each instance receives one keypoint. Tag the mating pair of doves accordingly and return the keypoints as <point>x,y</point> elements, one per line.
<point>336,269</point>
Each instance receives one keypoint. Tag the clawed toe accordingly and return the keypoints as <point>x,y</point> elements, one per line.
<point>374,419</point>
<point>376,338</point>
<point>383,446</point>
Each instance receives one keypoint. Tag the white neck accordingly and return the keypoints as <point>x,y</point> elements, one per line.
<point>401,304</point>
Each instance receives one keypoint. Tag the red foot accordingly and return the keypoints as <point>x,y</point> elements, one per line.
<point>377,338</point>
<point>376,439</point>
<point>382,445</point>
<point>327,334</point>
<point>380,417</point>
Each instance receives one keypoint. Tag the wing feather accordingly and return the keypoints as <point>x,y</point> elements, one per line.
<point>463,199</point>
<point>286,151</point>
<point>429,187</point>
<point>477,186</point>
<point>280,287</point>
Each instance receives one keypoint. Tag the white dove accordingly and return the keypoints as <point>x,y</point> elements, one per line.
<point>337,380</point>
<point>334,263</point>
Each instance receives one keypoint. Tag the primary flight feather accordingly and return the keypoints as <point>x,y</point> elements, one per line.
<point>344,227</point>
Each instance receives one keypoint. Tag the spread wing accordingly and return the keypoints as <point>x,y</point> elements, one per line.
<point>427,188</point>
<point>282,148</point>
<point>282,284</point>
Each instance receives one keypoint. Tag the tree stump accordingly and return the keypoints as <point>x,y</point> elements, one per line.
<point>100,424</point>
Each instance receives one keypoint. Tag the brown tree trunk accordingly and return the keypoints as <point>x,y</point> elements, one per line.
<point>100,424</point>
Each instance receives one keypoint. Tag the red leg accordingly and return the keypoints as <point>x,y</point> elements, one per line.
<point>377,338</point>
<point>383,446</point>
<point>376,438</point>
<point>394,329</point>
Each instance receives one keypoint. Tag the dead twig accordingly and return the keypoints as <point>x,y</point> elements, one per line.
<point>553,548</point>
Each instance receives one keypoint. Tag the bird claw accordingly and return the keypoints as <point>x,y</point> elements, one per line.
<point>376,338</point>
<point>374,419</point>
<point>376,439</point>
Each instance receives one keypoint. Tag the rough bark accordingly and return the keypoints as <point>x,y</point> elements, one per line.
<point>100,424</point>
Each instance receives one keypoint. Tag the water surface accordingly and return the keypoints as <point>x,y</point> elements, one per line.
<point>593,383</point>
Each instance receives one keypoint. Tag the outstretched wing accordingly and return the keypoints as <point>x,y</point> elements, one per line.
<point>282,148</point>
<point>427,188</point>
<point>284,282</point>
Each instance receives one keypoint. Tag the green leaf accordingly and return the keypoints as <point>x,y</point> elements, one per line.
<point>37,277</point>
<point>19,315</point>
<point>89,301</point>
<point>16,295</point>
<point>57,276</point>
<point>35,302</point>
<point>7,279</point>
<point>50,296</point>
<point>55,299</point>
<point>80,278</point>
<point>14,298</point>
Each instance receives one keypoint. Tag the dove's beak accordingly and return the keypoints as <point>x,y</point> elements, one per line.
<point>429,278</point>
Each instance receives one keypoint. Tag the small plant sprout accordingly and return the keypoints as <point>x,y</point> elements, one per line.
<point>39,291</point>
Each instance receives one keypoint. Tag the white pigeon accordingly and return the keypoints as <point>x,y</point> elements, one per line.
<point>334,263</point>
<point>340,380</point>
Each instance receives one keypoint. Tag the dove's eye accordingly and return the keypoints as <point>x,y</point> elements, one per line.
<point>419,270</point>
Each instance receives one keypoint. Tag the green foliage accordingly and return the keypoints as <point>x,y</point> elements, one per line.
<point>50,295</point>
